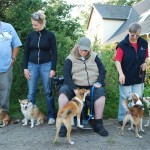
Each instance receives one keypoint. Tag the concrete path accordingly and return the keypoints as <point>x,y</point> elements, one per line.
<point>18,137</point>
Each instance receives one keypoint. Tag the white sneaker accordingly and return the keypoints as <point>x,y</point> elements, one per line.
<point>51,121</point>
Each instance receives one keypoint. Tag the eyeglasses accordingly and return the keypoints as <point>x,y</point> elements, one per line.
<point>36,16</point>
<point>134,35</point>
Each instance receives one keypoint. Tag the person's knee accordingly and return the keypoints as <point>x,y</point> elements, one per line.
<point>101,100</point>
<point>62,100</point>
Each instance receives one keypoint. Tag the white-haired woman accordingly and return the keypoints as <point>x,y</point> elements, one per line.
<point>131,59</point>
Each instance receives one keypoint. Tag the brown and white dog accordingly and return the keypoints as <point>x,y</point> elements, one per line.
<point>134,114</point>
<point>147,101</point>
<point>4,117</point>
<point>31,112</point>
<point>67,113</point>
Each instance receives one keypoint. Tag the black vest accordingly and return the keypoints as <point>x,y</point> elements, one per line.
<point>132,60</point>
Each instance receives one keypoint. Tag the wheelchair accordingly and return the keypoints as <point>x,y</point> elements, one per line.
<point>87,115</point>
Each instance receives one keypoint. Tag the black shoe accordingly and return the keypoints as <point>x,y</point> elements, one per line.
<point>101,130</point>
<point>121,123</point>
<point>63,131</point>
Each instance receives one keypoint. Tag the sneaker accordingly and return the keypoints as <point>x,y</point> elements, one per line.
<point>63,131</point>
<point>51,121</point>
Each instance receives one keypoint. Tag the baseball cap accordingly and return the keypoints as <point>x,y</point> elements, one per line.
<point>85,43</point>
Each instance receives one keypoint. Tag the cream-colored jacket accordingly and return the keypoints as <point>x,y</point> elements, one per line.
<point>84,72</point>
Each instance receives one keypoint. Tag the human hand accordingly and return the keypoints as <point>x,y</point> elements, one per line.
<point>52,74</point>
<point>121,79</point>
<point>27,74</point>
<point>143,66</point>
<point>97,85</point>
<point>12,62</point>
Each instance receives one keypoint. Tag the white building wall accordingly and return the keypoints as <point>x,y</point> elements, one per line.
<point>94,26</point>
<point>109,28</point>
<point>101,28</point>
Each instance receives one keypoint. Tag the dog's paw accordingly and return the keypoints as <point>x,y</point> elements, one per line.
<point>24,124</point>
<point>121,132</point>
<point>141,130</point>
<point>139,136</point>
<point>31,126</point>
<point>80,126</point>
<point>37,124</point>
<point>71,142</point>
<point>130,129</point>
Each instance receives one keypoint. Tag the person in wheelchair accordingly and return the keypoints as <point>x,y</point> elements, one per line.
<point>84,69</point>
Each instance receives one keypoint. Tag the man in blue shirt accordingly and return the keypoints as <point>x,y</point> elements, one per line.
<point>9,48</point>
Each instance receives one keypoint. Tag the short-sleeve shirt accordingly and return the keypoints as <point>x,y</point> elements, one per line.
<point>8,40</point>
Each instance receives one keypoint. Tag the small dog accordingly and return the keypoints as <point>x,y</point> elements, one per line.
<point>147,101</point>
<point>31,112</point>
<point>4,117</point>
<point>67,113</point>
<point>134,114</point>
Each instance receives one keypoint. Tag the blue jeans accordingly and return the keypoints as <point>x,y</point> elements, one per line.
<point>42,71</point>
<point>124,93</point>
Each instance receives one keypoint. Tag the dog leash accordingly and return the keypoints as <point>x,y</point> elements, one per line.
<point>49,88</point>
<point>90,110</point>
<point>141,75</point>
<point>92,102</point>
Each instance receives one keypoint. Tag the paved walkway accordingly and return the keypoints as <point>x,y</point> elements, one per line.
<point>18,137</point>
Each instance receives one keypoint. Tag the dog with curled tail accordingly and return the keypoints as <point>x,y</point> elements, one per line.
<point>69,111</point>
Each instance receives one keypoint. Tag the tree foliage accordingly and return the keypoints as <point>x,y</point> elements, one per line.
<point>123,2</point>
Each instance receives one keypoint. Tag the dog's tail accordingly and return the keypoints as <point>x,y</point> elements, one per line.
<point>64,114</point>
<point>15,121</point>
<point>125,104</point>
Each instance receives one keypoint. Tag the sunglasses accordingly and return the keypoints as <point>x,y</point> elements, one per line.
<point>36,16</point>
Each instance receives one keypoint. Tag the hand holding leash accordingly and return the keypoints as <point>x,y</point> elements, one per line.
<point>97,85</point>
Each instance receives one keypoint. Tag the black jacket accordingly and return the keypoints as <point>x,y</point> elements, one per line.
<point>132,60</point>
<point>40,48</point>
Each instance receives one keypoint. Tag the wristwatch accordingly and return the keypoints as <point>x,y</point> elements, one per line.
<point>13,58</point>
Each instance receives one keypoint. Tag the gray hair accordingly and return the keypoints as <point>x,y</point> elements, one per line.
<point>134,27</point>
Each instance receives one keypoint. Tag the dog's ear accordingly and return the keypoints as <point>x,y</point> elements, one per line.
<point>19,100</point>
<point>141,99</point>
